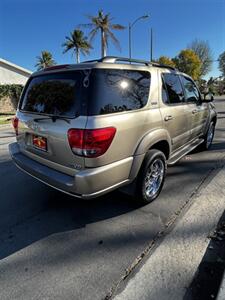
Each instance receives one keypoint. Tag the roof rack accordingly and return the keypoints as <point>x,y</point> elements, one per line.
<point>89,61</point>
<point>115,59</point>
<point>163,66</point>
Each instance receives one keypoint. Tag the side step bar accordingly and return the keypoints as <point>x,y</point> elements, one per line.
<point>185,150</point>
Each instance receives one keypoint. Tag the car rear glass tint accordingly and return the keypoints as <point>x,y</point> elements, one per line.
<point>58,94</point>
<point>86,92</point>
<point>115,90</point>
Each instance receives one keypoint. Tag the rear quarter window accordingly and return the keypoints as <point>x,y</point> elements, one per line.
<point>191,92</point>
<point>172,91</point>
<point>115,90</point>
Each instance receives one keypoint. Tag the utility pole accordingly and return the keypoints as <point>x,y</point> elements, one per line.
<point>151,45</point>
<point>130,40</point>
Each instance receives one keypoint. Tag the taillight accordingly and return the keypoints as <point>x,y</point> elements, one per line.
<point>15,123</point>
<point>90,142</point>
<point>76,138</point>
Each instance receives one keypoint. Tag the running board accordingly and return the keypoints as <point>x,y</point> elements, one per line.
<point>181,153</point>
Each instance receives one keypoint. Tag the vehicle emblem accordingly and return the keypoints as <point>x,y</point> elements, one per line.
<point>34,126</point>
<point>75,166</point>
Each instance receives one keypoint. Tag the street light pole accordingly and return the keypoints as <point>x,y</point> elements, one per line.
<point>130,27</point>
<point>130,40</point>
<point>151,47</point>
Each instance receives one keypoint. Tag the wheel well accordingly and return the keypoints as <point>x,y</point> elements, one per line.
<point>162,146</point>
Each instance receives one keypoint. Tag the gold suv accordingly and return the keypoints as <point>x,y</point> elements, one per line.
<point>89,128</point>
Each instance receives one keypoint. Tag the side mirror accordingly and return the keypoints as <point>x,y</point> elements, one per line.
<point>208,98</point>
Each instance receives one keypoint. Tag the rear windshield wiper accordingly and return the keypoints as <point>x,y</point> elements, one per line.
<point>53,118</point>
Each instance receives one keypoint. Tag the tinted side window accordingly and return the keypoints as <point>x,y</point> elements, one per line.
<point>165,97</point>
<point>191,91</point>
<point>118,90</point>
<point>173,87</point>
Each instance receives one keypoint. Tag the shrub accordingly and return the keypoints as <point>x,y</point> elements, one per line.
<point>13,91</point>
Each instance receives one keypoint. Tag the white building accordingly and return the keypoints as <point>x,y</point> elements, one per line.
<point>12,74</point>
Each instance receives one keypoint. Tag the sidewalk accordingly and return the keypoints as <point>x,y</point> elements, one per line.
<point>3,126</point>
<point>170,269</point>
<point>207,281</point>
<point>221,295</point>
<point>6,131</point>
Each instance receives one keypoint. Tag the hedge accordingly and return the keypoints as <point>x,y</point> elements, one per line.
<point>11,90</point>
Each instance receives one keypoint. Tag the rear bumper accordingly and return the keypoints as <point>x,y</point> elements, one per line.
<point>88,183</point>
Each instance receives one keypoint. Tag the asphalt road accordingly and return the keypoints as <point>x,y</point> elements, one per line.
<point>53,246</point>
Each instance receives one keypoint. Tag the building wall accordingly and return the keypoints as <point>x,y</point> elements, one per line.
<point>10,75</point>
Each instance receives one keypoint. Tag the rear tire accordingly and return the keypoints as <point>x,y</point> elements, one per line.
<point>151,177</point>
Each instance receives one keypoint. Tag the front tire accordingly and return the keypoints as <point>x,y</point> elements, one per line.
<point>151,177</point>
<point>208,138</point>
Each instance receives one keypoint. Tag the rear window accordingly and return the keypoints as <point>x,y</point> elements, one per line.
<point>55,94</point>
<point>86,92</point>
<point>115,90</point>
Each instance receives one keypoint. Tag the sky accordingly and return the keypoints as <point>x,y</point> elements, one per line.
<point>29,26</point>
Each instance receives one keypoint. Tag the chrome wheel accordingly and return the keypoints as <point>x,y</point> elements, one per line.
<point>154,177</point>
<point>210,135</point>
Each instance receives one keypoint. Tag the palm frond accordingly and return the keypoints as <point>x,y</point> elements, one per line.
<point>85,51</point>
<point>114,40</point>
<point>92,34</point>
<point>117,27</point>
<point>88,25</point>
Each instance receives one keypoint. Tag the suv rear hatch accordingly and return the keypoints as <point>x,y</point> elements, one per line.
<point>51,104</point>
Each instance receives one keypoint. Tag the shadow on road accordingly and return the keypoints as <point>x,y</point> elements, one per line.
<point>221,115</point>
<point>218,146</point>
<point>50,211</point>
<point>219,101</point>
<point>55,213</point>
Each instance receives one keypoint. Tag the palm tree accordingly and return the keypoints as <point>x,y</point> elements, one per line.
<point>103,23</point>
<point>78,43</point>
<point>44,60</point>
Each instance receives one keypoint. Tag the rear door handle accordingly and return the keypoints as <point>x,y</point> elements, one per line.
<point>167,118</point>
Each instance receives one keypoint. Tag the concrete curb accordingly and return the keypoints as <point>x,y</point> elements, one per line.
<point>221,293</point>
<point>170,269</point>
